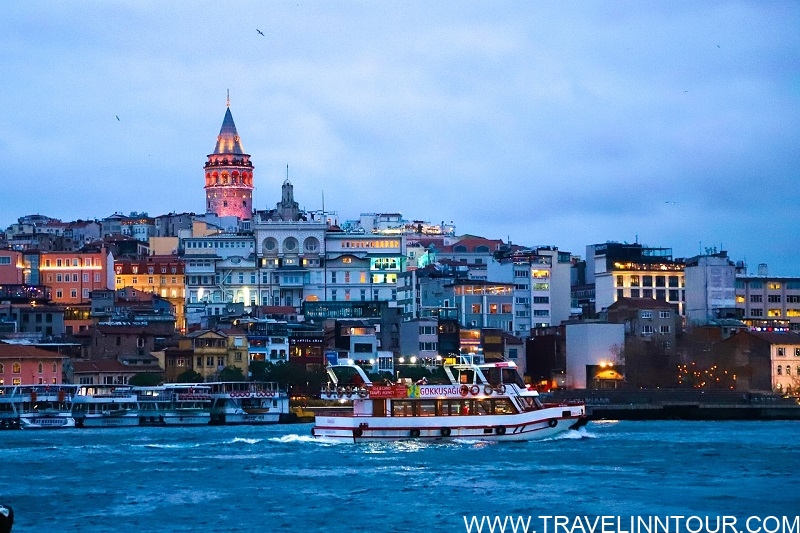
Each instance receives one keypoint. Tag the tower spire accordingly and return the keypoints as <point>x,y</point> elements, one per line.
<point>229,98</point>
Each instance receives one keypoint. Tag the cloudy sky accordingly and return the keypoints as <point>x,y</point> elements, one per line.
<point>676,124</point>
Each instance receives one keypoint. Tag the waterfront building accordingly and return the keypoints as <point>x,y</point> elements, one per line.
<point>542,282</point>
<point>593,355</point>
<point>210,352</point>
<point>140,227</point>
<point>238,350</point>
<point>159,275</point>
<point>220,269</point>
<point>634,271</point>
<point>753,360</point>
<point>73,275</point>
<point>229,174</point>
<point>109,371</point>
<point>33,321</point>
<point>11,268</point>
<point>22,364</point>
<point>710,289</point>
<point>768,303</point>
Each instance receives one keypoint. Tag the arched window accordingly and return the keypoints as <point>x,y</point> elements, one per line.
<point>2,368</point>
<point>40,367</point>
<point>55,367</point>
<point>779,370</point>
<point>16,368</point>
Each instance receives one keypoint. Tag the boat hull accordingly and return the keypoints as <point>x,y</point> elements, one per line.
<point>46,422</point>
<point>536,425</point>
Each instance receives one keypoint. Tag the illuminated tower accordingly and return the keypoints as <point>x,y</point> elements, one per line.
<point>229,174</point>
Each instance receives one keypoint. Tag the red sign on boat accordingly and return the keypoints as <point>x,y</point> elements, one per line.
<point>388,391</point>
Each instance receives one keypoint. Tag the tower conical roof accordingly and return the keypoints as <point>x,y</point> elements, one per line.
<point>228,141</point>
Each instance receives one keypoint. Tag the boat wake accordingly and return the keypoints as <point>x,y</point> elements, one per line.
<point>292,438</point>
<point>576,434</point>
<point>242,439</point>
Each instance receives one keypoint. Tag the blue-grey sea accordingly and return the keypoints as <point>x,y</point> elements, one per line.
<point>278,478</point>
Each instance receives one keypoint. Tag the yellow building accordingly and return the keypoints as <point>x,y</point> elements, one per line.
<point>161,275</point>
<point>238,355</point>
<point>210,352</point>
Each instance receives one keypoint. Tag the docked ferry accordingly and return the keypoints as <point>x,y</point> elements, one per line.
<point>480,402</point>
<point>36,406</point>
<point>105,406</point>
<point>247,402</point>
<point>174,404</point>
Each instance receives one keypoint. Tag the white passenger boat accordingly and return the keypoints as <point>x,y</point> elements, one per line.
<point>480,402</point>
<point>248,402</point>
<point>105,406</point>
<point>44,406</point>
<point>174,404</point>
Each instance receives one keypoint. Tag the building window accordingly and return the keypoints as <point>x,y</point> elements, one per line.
<point>647,293</point>
<point>661,281</point>
<point>781,351</point>
<point>664,330</point>
<point>663,314</point>
<point>634,281</point>
<point>647,281</point>
<point>647,330</point>
<point>40,368</point>
<point>55,367</point>
<point>647,314</point>
<point>620,280</point>
<point>756,298</point>
<point>620,293</point>
<point>756,312</point>
<point>476,308</point>
<point>779,370</point>
<point>634,293</point>
<point>774,298</point>
<point>16,368</point>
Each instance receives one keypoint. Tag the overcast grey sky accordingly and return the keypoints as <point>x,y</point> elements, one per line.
<point>559,123</point>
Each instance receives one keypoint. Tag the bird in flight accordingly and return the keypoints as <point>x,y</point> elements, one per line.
<point>116,116</point>
<point>668,202</point>
<point>260,32</point>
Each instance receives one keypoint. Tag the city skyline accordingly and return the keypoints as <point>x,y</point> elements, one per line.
<point>549,125</point>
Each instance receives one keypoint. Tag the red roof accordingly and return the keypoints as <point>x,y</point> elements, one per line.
<point>21,351</point>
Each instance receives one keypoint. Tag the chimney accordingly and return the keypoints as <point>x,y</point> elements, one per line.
<point>762,269</point>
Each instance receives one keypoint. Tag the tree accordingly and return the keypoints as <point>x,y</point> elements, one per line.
<point>145,379</point>
<point>190,376</point>
<point>231,373</point>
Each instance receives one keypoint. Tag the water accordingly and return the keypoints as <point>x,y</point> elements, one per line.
<point>278,478</point>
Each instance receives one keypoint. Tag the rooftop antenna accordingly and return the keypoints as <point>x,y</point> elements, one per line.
<point>323,202</point>
<point>229,97</point>
<point>287,171</point>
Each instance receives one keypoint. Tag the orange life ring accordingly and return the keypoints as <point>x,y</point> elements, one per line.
<point>463,390</point>
<point>474,390</point>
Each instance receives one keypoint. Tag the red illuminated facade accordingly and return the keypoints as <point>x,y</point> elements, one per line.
<point>229,175</point>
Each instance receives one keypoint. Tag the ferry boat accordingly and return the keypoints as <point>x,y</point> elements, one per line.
<point>480,402</point>
<point>248,402</point>
<point>105,406</point>
<point>37,406</point>
<point>174,404</point>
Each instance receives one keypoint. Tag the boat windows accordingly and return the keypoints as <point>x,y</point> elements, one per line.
<point>530,403</point>
<point>426,408</point>
<point>402,408</point>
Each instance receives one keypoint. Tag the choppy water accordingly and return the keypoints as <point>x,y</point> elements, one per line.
<point>277,478</point>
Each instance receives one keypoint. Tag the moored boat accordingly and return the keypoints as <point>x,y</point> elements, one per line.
<point>105,406</point>
<point>480,402</point>
<point>174,404</point>
<point>45,406</point>
<point>248,402</point>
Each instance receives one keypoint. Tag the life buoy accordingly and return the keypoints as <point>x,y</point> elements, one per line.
<point>464,390</point>
<point>348,391</point>
<point>500,430</point>
<point>552,422</point>
<point>501,389</point>
<point>362,393</point>
<point>414,433</point>
<point>340,391</point>
<point>487,390</point>
<point>475,390</point>
<point>444,432</point>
